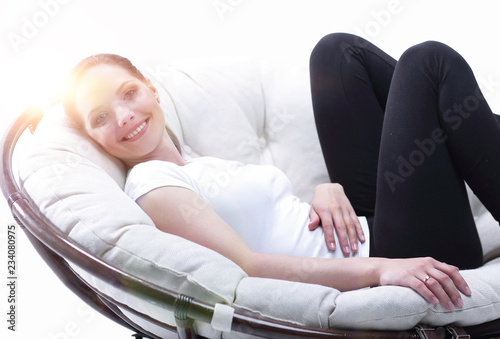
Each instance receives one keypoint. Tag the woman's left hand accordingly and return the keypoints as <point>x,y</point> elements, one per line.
<point>436,281</point>
<point>331,208</point>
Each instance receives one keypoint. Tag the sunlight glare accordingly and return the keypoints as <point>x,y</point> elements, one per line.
<point>33,79</point>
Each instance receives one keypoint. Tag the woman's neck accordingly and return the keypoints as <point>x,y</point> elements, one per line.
<point>165,151</point>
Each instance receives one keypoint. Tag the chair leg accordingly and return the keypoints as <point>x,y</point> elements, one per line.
<point>457,332</point>
<point>185,329</point>
<point>184,323</point>
<point>426,332</point>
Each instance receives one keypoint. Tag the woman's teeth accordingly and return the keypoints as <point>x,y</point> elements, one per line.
<point>134,133</point>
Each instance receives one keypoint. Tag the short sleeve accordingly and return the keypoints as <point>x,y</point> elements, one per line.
<point>150,175</point>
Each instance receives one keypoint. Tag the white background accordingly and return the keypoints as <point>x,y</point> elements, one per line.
<point>40,40</point>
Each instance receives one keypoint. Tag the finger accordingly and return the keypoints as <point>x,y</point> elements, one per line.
<point>359,229</point>
<point>420,287</point>
<point>340,227</point>
<point>351,231</point>
<point>327,224</point>
<point>356,225</point>
<point>313,220</point>
<point>447,283</point>
<point>438,288</point>
<point>454,273</point>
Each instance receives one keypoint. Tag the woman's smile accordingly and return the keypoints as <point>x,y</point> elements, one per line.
<point>137,131</point>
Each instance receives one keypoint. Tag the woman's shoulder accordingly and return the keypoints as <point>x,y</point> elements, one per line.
<point>152,174</point>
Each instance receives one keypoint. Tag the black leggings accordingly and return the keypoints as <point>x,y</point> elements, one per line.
<point>401,137</point>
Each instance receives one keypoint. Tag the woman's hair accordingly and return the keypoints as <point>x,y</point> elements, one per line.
<point>79,71</point>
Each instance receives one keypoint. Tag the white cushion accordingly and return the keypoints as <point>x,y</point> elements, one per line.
<point>91,208</point>
<point>255,112</point>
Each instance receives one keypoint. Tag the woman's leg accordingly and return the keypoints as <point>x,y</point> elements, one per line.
<point>350,80</point>
<point>438,131</point>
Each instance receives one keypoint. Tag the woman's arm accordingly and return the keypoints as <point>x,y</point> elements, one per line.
<point>182,212</point>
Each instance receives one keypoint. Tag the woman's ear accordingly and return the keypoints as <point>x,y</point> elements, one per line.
<point>153,89</point>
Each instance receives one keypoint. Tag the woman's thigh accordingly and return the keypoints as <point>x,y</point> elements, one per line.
<point>430,144</point>
<point>350,79</point>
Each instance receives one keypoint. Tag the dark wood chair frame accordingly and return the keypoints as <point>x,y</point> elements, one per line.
<point>57,250</point>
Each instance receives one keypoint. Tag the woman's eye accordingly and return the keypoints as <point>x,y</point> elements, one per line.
<point>100,119</point>
<point>129,94</point>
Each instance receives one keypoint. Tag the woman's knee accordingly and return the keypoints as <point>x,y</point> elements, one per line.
<point>336,39</point>
<point>429,53</point>
<point>336,43</point>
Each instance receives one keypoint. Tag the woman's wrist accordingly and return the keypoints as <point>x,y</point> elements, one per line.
<point>377,267</point>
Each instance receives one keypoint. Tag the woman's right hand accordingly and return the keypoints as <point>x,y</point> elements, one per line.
<point>437,282</point>
<point>331,209</point>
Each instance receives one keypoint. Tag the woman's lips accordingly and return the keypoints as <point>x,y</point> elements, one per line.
<point>136,131</point>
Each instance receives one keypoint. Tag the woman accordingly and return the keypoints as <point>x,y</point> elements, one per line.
<point>414,196</point>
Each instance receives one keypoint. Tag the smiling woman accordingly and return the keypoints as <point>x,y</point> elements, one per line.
<point>118,107</point>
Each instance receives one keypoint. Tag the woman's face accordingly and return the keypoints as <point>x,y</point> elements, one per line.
<point>120,112</point>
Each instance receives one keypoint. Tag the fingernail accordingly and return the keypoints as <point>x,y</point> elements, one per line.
<point>434,301</point>
<point>468,291</point>
<point>459,302</point>
<point>347,249</point>
<point>450,306</point>
<point>332,246</point>
<point>355,247</point>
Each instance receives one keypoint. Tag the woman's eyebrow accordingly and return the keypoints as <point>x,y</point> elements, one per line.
<point>123,85</point>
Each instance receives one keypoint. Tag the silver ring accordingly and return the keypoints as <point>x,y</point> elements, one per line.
<point>425,279</point>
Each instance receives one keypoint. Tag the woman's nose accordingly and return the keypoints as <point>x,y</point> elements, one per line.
<point>123,115</point>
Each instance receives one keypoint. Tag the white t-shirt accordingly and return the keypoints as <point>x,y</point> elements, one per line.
<point>255,200</point>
